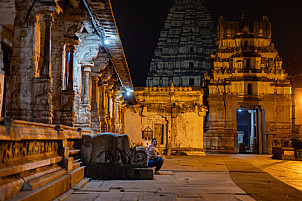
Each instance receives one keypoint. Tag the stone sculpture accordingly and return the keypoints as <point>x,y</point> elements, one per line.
<point>110,148</point>
<point>109,156</point>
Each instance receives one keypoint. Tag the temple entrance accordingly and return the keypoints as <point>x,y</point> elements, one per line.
<point>159,133</point>
<point>251,131</point>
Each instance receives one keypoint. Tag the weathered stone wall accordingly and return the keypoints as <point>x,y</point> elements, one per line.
<point>298,114</point>
<point>298,93</point>
<point>175,115</point>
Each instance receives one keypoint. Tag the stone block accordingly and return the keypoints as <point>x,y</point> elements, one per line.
<point>107,171</point>
<point>77,175</point>
<point>68,164</point>
<point>47,192</point>
<point>7,190</point>
<point>288,155</point>
<point>64,152</point>
<point>299,154</point>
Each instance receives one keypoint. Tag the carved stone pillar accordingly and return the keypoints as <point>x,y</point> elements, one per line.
<point>95,118</point>
<point>70,68</point>
<point>115,115</point>
<point>86,84</point>
<point>68,95</point>
<point>84,118</point>
<point>45,71</point>
<point>42,103</point>
<point>103,114</point>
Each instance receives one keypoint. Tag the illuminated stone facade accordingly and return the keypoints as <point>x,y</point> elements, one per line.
<point>246,74</point>
<point>184,46</point>
<point>298,114</point>
<point>174,115</point>
<point>61,71</point>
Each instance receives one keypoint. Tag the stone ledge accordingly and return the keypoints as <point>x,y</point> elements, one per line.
<point>11,188</point>
<point>21,167</point>
<point>23,130</point>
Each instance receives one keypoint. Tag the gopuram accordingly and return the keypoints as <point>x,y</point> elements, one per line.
<point>171,106</point>
<point>184,46</point>
<point>246,76</point>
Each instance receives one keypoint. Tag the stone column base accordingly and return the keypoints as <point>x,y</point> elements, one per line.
<point>42,102</point>
<point>67,108</point>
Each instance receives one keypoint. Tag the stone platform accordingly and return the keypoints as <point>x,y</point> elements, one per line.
<point>109,172</point>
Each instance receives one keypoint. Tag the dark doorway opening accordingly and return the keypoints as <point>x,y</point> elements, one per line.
<point>246,130</point>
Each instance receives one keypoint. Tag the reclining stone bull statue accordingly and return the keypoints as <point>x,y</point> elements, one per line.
<point>105,152</point>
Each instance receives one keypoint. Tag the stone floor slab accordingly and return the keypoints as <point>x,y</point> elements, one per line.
<point>195,178</point>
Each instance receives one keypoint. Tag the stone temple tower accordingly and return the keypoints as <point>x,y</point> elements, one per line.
<point>184,46</point>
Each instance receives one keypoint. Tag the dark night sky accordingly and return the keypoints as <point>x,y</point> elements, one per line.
<point>140,21</point>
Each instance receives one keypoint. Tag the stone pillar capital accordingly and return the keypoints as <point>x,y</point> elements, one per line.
<point>47,18</point>
<point>46,7</point>
<point>87,68</point>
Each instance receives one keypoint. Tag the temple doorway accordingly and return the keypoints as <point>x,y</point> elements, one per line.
<point>159,133</point>
<point>246,130</point>
<point>251,130</point>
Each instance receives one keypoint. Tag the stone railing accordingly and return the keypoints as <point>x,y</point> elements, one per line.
<point>35,154</point>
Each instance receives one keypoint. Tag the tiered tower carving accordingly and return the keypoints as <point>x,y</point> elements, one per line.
<point>184,47</point>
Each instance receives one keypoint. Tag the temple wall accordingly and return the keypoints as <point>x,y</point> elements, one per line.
<point>189,129</point>
<point>174,115</point>
<point>298,106</point>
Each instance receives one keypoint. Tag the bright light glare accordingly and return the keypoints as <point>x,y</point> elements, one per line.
<point>106,42</point>
<point>239,110</point>
<point>128,93</point>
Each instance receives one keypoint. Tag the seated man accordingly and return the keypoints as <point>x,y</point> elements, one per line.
<point>154,157</point>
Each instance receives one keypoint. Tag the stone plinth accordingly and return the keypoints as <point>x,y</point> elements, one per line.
<point>289,153</point>
<point>109,156</point>
<point>106,172</point>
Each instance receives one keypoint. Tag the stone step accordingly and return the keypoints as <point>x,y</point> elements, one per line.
<point>78,186</point>
<point>42,180</point>
<point>53,189</point>
<point>74,151</point>
<point>10,188</point>
<point>13,185</point>
<point>22,166</point>
<point>76,165</point>
<point>29,178</point>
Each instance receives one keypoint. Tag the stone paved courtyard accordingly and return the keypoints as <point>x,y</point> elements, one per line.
<point>214,177</point>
